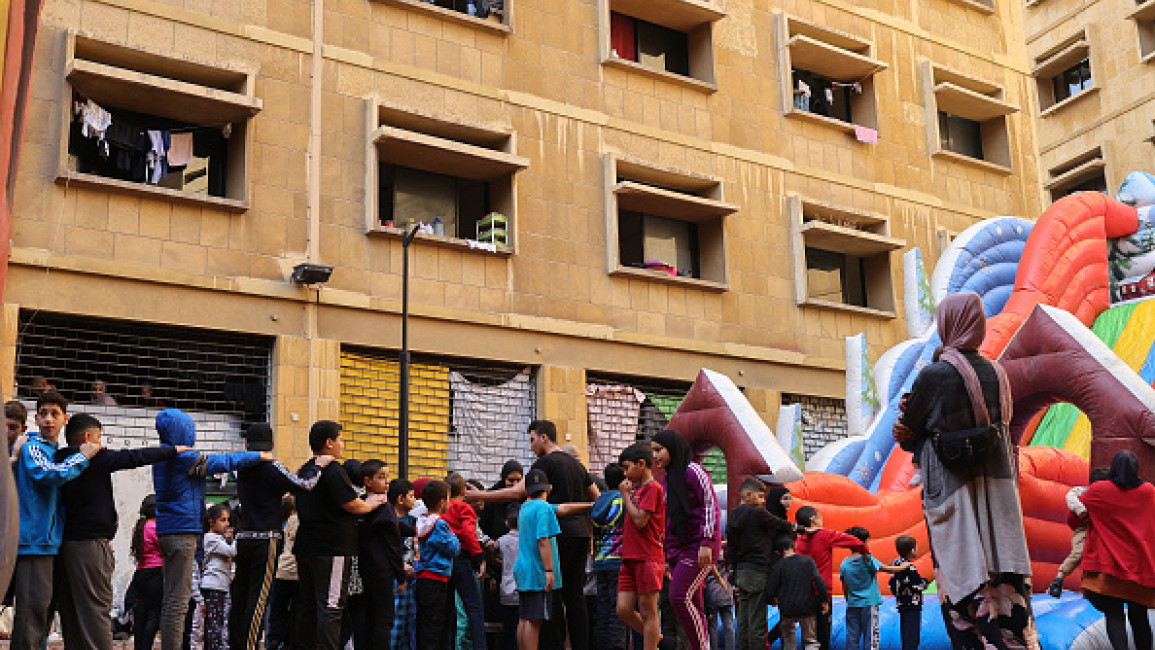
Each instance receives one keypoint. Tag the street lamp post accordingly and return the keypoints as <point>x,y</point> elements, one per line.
<point>403,407</point>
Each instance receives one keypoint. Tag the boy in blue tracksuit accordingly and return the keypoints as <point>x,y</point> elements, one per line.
<point>180,502</point>
<point>437,546</point>
<point>38,480</point>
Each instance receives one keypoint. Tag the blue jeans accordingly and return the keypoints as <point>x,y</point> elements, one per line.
<point>609,630</point>
<point>463,581</point>
<point>862,628</point>
<point>725,619</point>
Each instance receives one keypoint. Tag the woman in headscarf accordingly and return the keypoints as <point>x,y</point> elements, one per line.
<point>1119,555</point>
<point>492,517</point>
<point>778,500</point>
<point>693,534</point>
<point>973,514</point>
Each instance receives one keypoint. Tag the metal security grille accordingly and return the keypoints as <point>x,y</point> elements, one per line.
<point>221,378</point>
<point>464,416</point>
<point>823,420</point>
<point>622,410</point>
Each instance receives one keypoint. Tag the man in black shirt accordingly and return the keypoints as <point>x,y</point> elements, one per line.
<point>326,540</point>
<point>571,483</point>
<point>260,488</point>
<point>84,564</point>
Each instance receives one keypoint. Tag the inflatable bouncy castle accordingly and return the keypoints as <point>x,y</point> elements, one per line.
<point>1070,302</point>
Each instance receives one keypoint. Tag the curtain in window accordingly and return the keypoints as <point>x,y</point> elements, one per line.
<point>613,421</point>
<point>622,36</point>
<point>490,422</point>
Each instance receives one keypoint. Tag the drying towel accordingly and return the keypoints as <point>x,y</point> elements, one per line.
<point>95,120</point>
<point>181,151</point>
<point>865,134</point>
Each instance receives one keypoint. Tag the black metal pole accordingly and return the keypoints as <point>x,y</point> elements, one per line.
<point>403,405</point>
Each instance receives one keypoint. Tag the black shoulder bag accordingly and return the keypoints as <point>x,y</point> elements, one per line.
<point>965,450</point>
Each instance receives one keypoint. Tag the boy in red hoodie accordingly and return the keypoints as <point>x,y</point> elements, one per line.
<point>818,542</point>
<point>468,568</point>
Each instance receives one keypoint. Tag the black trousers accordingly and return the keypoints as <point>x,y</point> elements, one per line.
<point>149,587</point>
<point>569,603</point>
<point>822,628</point>
<point>910,624</point>
<point>282,609</point>
<point>324,581</point>
<point>374,628</point>
<point>431,595</point>
<point>256,565</point>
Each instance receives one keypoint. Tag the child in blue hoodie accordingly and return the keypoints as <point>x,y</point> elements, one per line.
<point>38,480</point>
<point>180,501</point>
<point>608,515</point>
<point>437,546</point>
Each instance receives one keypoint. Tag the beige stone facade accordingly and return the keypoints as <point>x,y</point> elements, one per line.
<point>537,99</point>
<point>1108,129</point>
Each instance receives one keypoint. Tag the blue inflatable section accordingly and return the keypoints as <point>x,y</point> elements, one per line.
<point>1059,620</point>
<point>986,265</point>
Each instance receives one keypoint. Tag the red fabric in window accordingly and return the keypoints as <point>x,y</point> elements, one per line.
<point>622,37</point>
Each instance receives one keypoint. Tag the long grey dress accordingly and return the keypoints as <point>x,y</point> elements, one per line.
<point>975,521</point>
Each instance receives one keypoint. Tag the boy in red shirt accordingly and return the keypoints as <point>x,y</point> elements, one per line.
<point>462,520</point>
<point>643,558</point>
<point>817,542</point>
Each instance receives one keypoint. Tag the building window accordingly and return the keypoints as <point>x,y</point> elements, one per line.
<point>842,258</point>
<point>967,119</point>
<point>827,76</point>
<point>1062,73</point>
<point>495,15</point>
<point>651,45</point>
<point>665,225</point>
<point>648,241</point>
<point>982,6</point>
<point>148,124</point>
<point>1086,172</point>
<point>1144,17</point>
<point>960,135</point>
<point>1073,80</point>
<point>670,39</point>
<point>455,180</point>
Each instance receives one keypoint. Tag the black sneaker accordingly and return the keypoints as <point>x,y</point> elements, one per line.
<point>1056,588</point>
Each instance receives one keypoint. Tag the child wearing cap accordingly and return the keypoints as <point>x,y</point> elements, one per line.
<point>537,555</point>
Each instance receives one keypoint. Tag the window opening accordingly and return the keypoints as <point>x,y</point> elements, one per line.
<point>146,149</point>
<point>649,241</point>
<point>1072,81</point>
<point>453,206</point>
<point>836,277</point>
<point>651,45</point>
<point>824,96</point>
<point>960,135</point>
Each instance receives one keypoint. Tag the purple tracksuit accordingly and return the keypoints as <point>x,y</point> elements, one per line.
<point>686,577</point>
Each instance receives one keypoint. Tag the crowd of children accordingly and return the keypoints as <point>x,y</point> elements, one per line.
<point>339,553</point>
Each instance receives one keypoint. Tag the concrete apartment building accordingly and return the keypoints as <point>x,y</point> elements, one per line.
<point>1094,65</point>
<point>618,193</point>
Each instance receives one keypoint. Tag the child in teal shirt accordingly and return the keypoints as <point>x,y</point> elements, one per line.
<point>859,574</point>
<point>537,555</point>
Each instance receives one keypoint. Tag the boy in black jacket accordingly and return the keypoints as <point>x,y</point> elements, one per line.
<point>84,564</point>
<point>801,594</point>
<point>751,531</point>
<point>261,489</point>
<point>380,561</point>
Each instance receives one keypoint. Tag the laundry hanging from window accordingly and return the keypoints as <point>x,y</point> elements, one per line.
<point>147,149</point>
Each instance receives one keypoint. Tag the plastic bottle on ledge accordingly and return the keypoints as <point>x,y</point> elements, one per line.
<point>438,227</point>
